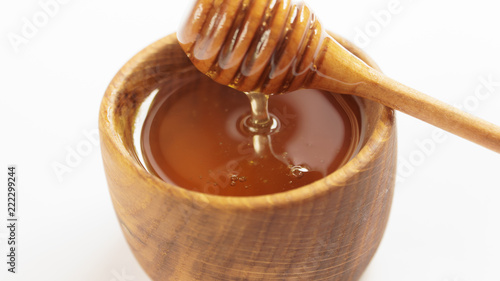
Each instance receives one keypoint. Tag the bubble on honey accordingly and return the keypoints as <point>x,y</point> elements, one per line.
<point>234,179</point>
<point>298,171</point>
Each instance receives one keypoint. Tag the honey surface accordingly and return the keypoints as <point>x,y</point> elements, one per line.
<point>195,136</point>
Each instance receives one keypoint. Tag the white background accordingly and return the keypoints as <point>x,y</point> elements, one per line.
<point>445,221</point>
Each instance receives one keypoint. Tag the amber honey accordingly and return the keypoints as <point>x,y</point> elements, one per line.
<point>198,135</point>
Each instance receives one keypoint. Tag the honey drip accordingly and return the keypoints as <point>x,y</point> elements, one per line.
<point>260,120</point>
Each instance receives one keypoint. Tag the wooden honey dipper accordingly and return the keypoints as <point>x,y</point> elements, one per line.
<point>275,46</point>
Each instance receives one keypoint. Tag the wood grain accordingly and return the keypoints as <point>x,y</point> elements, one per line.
<point>328,230</point>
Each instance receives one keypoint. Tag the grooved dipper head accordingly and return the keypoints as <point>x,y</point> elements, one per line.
<point>253,45</point>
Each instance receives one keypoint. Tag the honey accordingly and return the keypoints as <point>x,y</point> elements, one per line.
<point>201,136</point>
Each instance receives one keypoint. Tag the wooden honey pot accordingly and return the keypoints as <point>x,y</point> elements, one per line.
<point>326,230</point>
